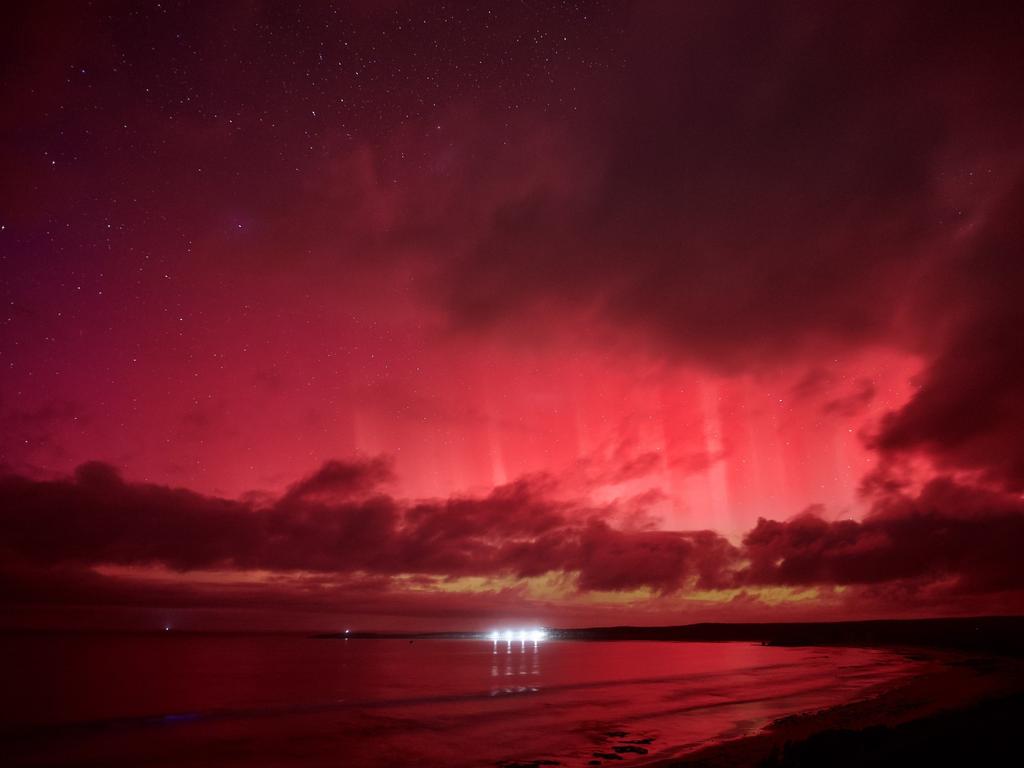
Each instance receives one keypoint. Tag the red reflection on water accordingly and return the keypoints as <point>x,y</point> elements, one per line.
<point>264,700</point>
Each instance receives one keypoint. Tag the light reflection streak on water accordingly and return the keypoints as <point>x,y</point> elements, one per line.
<point>521,658</point>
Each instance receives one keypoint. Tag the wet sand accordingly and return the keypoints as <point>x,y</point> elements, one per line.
<point>962,709</point>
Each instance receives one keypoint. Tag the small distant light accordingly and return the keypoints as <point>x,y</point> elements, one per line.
<point>508,635</point>
<point>494,637</point>
<point>347,631</point>
<point>167,629</point>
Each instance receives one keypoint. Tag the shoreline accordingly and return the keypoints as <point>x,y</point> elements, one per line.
<point>959,697</point>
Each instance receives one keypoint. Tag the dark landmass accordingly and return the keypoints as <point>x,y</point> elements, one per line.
<point>1002,635</point>
<point>990,634</point>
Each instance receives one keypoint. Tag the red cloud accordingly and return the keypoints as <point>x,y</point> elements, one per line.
<point>338,525</point>
<point>947,532</point>
<point>337,521</point>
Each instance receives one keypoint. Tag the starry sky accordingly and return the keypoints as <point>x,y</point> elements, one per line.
<point>406,315</point>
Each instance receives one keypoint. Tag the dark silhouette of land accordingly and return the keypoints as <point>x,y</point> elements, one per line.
<point>1002,635</point>
<point>991,634</point>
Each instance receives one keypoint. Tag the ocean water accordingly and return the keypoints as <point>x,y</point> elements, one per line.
<point>271,700</point>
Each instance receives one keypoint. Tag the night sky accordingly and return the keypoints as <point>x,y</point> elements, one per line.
<point>406,315</point>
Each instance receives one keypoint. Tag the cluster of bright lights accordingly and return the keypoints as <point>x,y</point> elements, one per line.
<point>522,635</point>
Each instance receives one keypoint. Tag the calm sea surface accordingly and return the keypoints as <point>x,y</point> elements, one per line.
<point>194,700</point>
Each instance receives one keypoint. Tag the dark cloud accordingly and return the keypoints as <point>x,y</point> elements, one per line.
<point>854,402</point>
<point>637,466</point>
<point>53,533</point>
<point>819,384</point>
<point>813,383</point>
<point>339,479</point>
<point>771,184</point>
<point>948,533</point>
<point>614,559</point>
<point>769,179</point>
<point>968,413</point>
<point>700,461</point>
<point>338,521</point>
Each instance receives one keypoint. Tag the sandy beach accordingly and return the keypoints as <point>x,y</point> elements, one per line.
<point>962,708</point>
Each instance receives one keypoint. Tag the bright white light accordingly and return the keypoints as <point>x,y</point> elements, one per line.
<point>535,635</point>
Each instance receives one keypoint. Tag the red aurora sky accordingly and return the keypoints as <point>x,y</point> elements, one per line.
<point>431,315</point>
